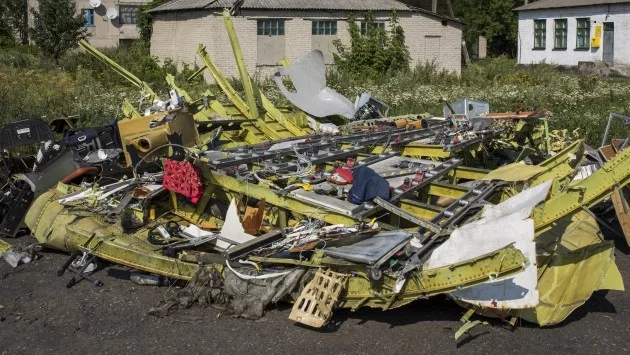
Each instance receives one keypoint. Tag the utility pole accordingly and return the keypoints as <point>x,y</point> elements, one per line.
<point>450,8</point>
<point>464,47</point>
<point>434,6</point>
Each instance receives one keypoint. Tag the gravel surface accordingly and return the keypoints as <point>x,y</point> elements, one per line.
<point>38,314</point>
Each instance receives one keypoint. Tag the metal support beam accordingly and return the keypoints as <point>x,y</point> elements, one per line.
<point>288,203</point>
<point>419,209</point>
<point>587,192</point>
<point>625,119</point>
<point>407,216</point>
<point>447,190</point>
<point>425,150</point>
<point>233,96</point>
<point>119,70</point>
<point>468,173</point>
<point>240,65</point>
<point>270,110</point>
<point>359,291</point>
<point>227,88</point>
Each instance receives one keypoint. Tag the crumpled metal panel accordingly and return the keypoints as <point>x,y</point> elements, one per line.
<point>370,250</point>
<point>488,233</point>
<point>574,261</point>
<point>571,270</point>
<point>311,95</point>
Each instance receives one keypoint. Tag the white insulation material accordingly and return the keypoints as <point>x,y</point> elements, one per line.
<point>231,234</point>
<point>504,224</point>
<point>232,228</point>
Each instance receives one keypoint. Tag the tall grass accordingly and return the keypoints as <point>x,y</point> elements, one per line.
<point>577,101</point>
<point>32,85</point>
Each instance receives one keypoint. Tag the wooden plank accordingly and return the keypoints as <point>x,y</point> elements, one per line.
<point>620,201</point>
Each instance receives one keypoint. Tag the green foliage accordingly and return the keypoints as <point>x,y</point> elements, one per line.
<point>80,85</point>
<point>145,19</point>
<point>17,17</point>
<point>135,58</point>
<point>57,27</point>
<point>6,32</point>
<point>35,93</point>
<point>494,19</point>
<point>377,52</point>
<point>577,101</point>
<point>23,56</point>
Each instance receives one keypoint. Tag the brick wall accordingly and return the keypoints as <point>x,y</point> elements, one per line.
<point>176,35</point>
<point>422,30</point>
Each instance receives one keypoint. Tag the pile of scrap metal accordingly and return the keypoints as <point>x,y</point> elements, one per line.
<point>252,205</point>
<point>386,231</point>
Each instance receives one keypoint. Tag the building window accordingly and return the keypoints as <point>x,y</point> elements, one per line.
<point>271,27</point>
<point>583,38</point>
<point>364,26</point>
<point>540,34</point>
<point>128,14</point>
<point>328,28</point>
<point>88,17</point>
<point>560,34</point>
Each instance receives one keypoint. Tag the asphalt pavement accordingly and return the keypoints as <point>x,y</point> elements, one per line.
<point>38,314</point>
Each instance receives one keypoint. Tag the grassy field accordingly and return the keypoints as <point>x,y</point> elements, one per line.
<point>32,86</point>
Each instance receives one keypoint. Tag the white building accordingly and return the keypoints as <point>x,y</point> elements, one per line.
<point>105,31</point>
<point>269,30</point>
<point>566,32</point>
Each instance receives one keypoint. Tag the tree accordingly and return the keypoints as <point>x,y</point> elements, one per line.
<point>494,19</point>
<point>17,18</point>
<point>145,19</point>
<point>374,52</point>
<point>6,33</point>
<point>57,27</point>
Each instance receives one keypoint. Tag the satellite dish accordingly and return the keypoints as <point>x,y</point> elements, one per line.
<point>112,13</point>
<point>95,3</point>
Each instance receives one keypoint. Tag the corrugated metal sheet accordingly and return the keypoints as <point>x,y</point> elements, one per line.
<point>552,4</point>
<point>360,5</point>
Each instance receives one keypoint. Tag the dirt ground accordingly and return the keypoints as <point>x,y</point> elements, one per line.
<point>40,315</point>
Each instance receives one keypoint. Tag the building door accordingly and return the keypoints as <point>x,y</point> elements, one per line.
<point>432,48</point>
<point>609,42</point>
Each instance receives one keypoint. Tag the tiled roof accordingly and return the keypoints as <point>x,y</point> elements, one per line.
<point>552,4</point>
<point>359,5</point>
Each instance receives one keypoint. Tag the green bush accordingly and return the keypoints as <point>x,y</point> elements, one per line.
<point>375,52</point>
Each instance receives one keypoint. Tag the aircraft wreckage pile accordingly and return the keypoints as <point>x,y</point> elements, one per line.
<point>254,204</point>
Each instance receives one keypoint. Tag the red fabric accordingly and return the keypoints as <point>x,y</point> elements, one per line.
<point>419,176</point>
<point>183,178</point>
<point>346,174</point>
